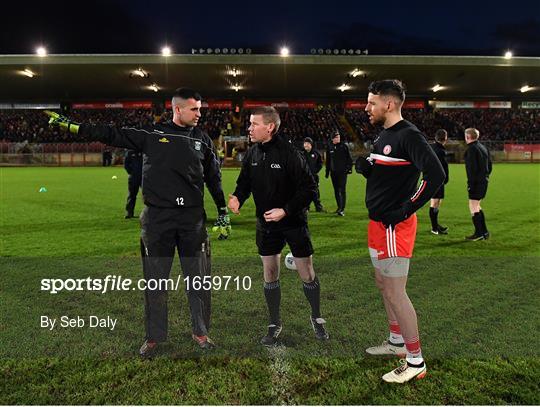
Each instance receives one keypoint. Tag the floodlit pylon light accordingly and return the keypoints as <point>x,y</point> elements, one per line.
<point>344,87</point>
<point>356,72</point>
<point>41,51</point>
<point>284,51</point>
<point>234,72</point>
<point>236,87</point>
<point>525,88</point>
<point>508,54</point>
<point>154,87</point>
<point>437,88</point>
<point>27,72</point>
<point>140,72</point>
<point>166,51</point>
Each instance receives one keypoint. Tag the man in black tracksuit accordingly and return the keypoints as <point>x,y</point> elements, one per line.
<point>338,166</point>
<point>478,166</point>
<point>179,159</point>
<point>283,187</point>
<point>133,165</point>
<point>441,136</point>
<point>314,161</point>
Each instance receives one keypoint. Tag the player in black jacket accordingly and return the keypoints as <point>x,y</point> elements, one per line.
<point>478,166</point>
<point>314,161</point>
<point>179,159</point>
<point>338,166</point>
<point>133,165</point>
<point>393,195</point>
<point>441,136</point>
<point>282,186</point>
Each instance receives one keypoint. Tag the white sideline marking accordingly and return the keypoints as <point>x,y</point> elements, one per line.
<point>280,369</point>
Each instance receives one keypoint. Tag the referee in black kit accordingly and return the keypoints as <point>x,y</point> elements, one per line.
<point>179,159</point>
<point>478,166</point>
<point>283,187</point>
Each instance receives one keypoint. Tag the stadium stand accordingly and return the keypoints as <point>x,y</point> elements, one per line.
<point>494,124</point>
<point>317,124</point>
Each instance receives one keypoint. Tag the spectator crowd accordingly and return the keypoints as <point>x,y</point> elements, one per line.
<point>494,124</point>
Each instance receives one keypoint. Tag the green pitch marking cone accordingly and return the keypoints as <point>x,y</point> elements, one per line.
<point>42,189</point>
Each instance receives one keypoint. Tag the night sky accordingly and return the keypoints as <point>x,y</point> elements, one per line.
<point>117,26</point>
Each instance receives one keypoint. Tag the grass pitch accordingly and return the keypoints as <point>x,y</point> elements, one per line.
<point>477,303</point>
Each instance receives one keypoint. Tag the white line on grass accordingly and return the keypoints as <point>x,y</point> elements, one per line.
<point>280,369</point>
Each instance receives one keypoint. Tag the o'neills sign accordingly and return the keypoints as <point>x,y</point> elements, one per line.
<point>211,104</point>
<point>361,104</point>
<point>522,148</point>
<point>113,105</point>
<point>457,104</point>
<point>250,104</point>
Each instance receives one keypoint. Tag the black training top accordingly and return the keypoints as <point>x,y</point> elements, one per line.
<point>400,153</point>
<point>278,176</point>
<point>133,163</point>
<point>477,163</point>
<point>440,152</point>
<point>338,158</point>
<point>314,161</point>
<point>178,161</point>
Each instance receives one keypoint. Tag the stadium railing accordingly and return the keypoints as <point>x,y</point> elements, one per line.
<point>91,154</point>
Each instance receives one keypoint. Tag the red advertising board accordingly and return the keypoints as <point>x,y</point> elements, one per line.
<point>211,104</point>
<point>307,104</point>
<point>467,104</point>
<point>522,148</point>
<point>249,104</point>
<point>361,104</point>
<point>113,105</point>
<point>355,104</point>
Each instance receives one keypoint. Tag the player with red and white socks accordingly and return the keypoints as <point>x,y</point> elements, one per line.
<point>393,195</point>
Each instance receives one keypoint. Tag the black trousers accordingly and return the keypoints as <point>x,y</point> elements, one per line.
<point>339,182</point>
<point>134,183</point>
<point>317,200</point>
<point>165,231</point>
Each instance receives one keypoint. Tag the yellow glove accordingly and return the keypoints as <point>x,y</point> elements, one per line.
<point>223,226</point>
<point>62,121</point>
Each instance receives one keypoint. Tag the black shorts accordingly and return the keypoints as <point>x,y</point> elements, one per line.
<point>439,194</point>
<point>477,190</point>
<point>271,242</point>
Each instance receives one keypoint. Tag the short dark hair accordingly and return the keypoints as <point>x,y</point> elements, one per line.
<point>186,93</point>
<point>441,135</point>
<point>269,115</point>
<point>388,87</point>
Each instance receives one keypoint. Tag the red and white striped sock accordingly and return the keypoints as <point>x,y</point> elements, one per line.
<point>395,332</point>
<point>414,352</point>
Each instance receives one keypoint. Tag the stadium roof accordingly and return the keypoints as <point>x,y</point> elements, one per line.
<point>107,77</point>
